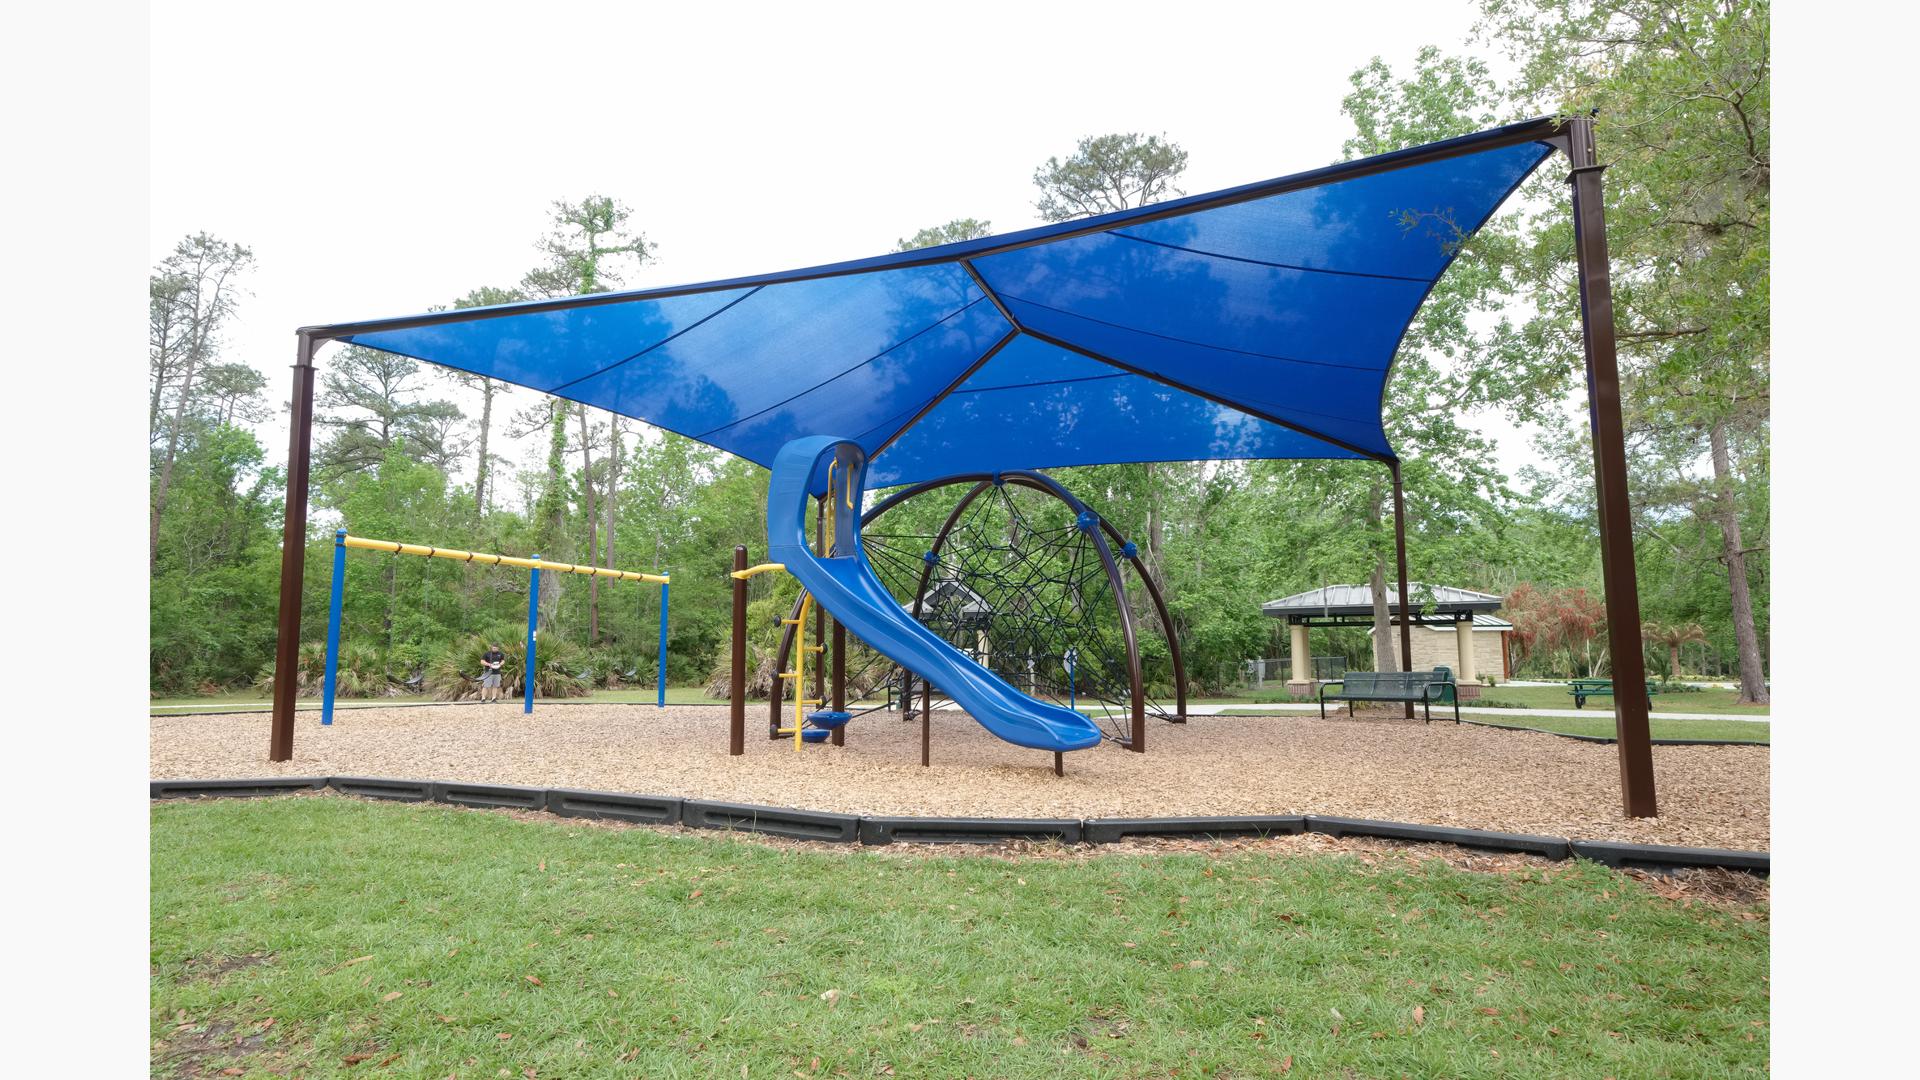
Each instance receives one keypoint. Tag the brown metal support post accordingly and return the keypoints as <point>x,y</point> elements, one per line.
<point>737,694</point>
<point>1630,705</point>
<point>926,723</point>
<point>293,553</point>
<point>1400,558</point>
<point>839,679</point>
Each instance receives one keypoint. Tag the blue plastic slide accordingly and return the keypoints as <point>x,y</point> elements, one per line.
<point>846,587</point>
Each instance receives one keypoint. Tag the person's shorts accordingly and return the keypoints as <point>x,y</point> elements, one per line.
<point>490,682</point>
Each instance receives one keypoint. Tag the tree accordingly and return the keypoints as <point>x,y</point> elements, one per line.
<point>234,392</point>
<point>487,296</point>
<point>1681,89</point>
<point>1673,635</point>
<point>951,233</point>
<point>190,295</point>
<point>588,248</point>
<point>372,401</point>
<point>1107,173</point>
<point>1458,354</point>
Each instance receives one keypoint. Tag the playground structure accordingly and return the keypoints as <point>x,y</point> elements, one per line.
<point>1254,322</point>
<point>1032,589</point>
<point>336,598</point>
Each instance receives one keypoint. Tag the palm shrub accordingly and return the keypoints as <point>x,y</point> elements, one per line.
<point>759,674</point>
<point>610,668</point>
<point>360,673</point>
<point>454,675</point>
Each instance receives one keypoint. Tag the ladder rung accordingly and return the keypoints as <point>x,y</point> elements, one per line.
<point>813,648</point>
<point>810,701</point>
<point>791,622</point>
<point>789,674</point>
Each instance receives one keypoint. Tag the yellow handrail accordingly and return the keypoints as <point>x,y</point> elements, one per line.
<point>800,670</point>
<point>500,560</point>
<point>753,571</point>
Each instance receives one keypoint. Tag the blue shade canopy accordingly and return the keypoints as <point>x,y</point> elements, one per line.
<point>1257,322</point>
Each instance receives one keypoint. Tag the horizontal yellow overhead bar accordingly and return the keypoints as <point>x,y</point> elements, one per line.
<point>763,568</point>
<point>499,560</point>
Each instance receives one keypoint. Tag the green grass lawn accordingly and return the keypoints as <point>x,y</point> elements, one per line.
<point>1600,723</point>
<point>1556,697</point>
<point>331,937</point>
<point>247,699</point>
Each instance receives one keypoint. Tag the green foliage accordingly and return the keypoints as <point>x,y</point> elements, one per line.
<point>1109,172</point>
<point>454,673</point>
<point>361,672</point>
<point>951,233</point>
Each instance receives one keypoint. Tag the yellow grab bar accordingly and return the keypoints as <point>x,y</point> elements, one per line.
<point>763,568</point>
<point>499,560</point>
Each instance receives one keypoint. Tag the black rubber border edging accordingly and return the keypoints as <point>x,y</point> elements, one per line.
<point>1622,856</point>
<point>920,830</point>
<point>1549,847</point>
<point>1114,830</point>
<point>490,796</point>
<point>379,787</point>
<point>1610,740</point>
<point>240,789</point>
<point>771,820</point>
<point>613,806</point>
<point>826,827</point>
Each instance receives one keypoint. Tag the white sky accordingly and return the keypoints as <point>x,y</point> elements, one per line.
<point>393,156</point>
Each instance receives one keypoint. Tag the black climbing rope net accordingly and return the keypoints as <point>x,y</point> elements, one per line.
<point>1016,583</point>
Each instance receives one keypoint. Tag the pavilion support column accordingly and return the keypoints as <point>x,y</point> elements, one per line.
<point>293,554</point>
<point>1466,674</point>
<point>1302,680</point>
<point>1400,558</point>
<point>1632,734</point>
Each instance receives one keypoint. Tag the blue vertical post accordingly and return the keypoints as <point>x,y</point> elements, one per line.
<point>660,673</point>
<point>333,624</point>
<point>533,632</point>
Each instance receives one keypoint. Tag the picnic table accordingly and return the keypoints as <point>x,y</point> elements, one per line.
<point>1582,689</point>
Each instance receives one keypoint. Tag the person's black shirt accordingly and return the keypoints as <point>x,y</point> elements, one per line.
<point>491,657</point>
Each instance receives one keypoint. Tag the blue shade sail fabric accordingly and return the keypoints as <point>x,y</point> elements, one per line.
<point>1262,326</point>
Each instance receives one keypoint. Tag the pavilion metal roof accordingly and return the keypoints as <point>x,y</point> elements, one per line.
<point>1358,600</point>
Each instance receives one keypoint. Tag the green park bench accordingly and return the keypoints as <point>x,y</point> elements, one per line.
<point>1421,687</point>
<point>1582,689</point>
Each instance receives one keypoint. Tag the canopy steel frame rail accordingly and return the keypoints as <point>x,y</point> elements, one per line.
<point>1573,136</point>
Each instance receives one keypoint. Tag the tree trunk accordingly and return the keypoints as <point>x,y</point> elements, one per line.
<point>1156,543</point>
<point>1382,621</point>
<point>166,463</point>
<point>593,528</point>
<point>480,470</point>
<point>1383,652</point>
<point>609,496</point>
<point>557,505</point>
<point>1726,514</point>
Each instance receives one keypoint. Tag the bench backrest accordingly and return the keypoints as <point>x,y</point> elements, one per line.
<point>1375,682</point>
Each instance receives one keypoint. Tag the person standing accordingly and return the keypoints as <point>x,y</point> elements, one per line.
<point>491,662</point>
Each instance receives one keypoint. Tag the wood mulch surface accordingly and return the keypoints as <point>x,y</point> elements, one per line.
<point>1375,766</point>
